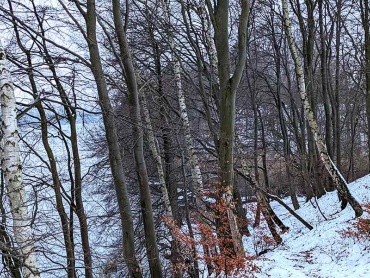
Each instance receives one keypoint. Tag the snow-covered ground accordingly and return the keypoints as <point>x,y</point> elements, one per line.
<point>322,252</point>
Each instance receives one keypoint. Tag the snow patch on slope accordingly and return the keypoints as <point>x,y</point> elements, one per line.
<point>323,251</point>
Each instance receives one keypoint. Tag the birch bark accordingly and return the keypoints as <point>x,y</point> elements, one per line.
<point>12,168</point>
<point>193,158</point>
<point>154,148</point>
<point>153,145</point>
<point>337,177</point>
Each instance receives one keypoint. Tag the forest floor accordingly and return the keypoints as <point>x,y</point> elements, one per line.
<point>322,252</point>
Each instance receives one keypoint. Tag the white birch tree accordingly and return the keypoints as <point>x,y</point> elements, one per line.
<point>12,169</point>
<point>340,182</point>
<point>189,142</point>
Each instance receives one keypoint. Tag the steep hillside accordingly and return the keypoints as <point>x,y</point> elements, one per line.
<point>323,251</point>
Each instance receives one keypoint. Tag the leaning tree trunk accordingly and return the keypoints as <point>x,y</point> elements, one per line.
<point>337,177</point>
<point>12,168</point>
<point>154,148</point>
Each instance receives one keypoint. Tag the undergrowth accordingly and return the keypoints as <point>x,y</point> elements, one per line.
<point>360,228</point>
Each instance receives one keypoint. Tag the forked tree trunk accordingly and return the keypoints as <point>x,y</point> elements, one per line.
<point>76,180</point>
<point>337,177</point>
<point>229,82</point>
<point>115,156</point>
<point>12,169</point>
<point>137,132</point>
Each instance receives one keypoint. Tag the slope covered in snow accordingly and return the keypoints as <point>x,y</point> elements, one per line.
<point>323,251</point>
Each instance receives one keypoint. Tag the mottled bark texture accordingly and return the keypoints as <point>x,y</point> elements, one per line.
<point>337,177</point>
<point>12,169</point>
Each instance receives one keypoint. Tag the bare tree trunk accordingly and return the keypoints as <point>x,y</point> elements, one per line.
<point>141,170</point>
<point>189,142</point>
<point>11,261</point>
<point>365,9</point>
<point>264,152</point>
<point>324,82</point>
<point>154,148</point>
<point>12,169</point>
<point>268,213</point>
<point>353,128</point>
<point>228,86</point>
<point>337,177</point>
<point>172,187</point>
<point>299,131</point>
<point>338,28</point>
<point>279,103</point>
<point>308,44</point>
<point>114,149</point>
<point>68,241</point>
<point>195,269</point>
<point>65,222</point>
<point>76,180</point>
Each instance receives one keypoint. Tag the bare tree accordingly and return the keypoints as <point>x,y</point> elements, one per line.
<point>229,82</point>
<point>141,170</point>
<point>12,169</point>
<point>114,149</point>
<point>339,180</point>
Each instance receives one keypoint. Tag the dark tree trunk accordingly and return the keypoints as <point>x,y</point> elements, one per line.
<point>324,81</point>
<point>364,5</point>
<point>77,180</point>
<point>228,86</point>
<point>337,84</point>
<point>141,170</point>
<point>114,149</point>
